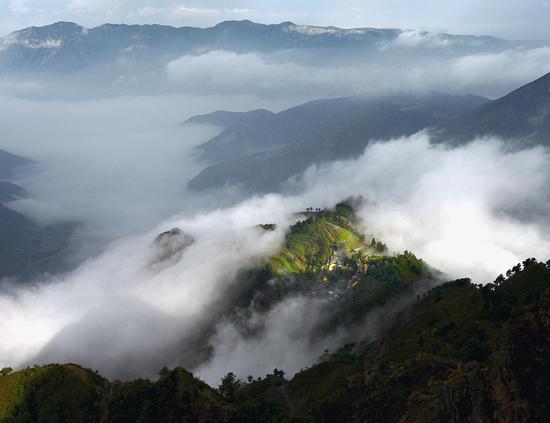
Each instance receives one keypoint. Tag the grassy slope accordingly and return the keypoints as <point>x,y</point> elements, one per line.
<point>310,243</point>
<point>300,266</point>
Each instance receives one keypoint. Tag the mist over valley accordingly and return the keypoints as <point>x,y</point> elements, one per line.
<point>273,222</point>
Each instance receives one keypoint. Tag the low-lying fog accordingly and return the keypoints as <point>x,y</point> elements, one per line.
<point>120,166</point>
<point>473,211</point>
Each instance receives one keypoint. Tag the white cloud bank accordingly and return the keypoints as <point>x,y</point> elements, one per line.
<point>471,211</point>
<point>288,75</point>
<point>120,313</point>
<point>466,211</point>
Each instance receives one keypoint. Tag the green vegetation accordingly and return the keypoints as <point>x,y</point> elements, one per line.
<point>69,393</point>
<point>395,268</point>
<point>378,246</point>
<point>325,253</point>
<point>268,226</point>
<point>50,393</point>
<point>312,241</point>
<point>462,352</point>
<point>229,386</point>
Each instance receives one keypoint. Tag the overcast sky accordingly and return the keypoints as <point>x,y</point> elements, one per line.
<point>518,19</point>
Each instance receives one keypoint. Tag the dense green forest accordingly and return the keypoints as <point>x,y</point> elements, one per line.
<point>462,352</point>
<point>455,351</point>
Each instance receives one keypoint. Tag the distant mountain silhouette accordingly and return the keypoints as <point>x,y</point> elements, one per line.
<point>524,114</point>
<point>226,119</point>
<point>66,47</point>
<point>260,154</point>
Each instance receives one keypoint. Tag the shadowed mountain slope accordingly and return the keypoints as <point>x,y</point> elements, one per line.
<point>260,154</point>
<point>522,115</point>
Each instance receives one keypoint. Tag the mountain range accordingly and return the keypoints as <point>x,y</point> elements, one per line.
<point>260,150</point>
<point>66,47</point>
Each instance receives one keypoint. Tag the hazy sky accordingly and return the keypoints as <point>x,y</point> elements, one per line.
<point>516,19</point>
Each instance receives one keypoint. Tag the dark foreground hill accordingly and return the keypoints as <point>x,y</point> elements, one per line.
<point>460,353</point>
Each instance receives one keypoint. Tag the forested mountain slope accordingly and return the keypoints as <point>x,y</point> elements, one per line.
<point>461,353</point>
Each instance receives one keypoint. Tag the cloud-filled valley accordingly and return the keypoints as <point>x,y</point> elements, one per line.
<point>456,208</point>
<point>378,146</point>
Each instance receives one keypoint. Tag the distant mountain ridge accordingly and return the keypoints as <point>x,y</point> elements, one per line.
<point>68,47</point>
<point>261,154</point>
<point>522,115</point>
<point>226,119</point>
